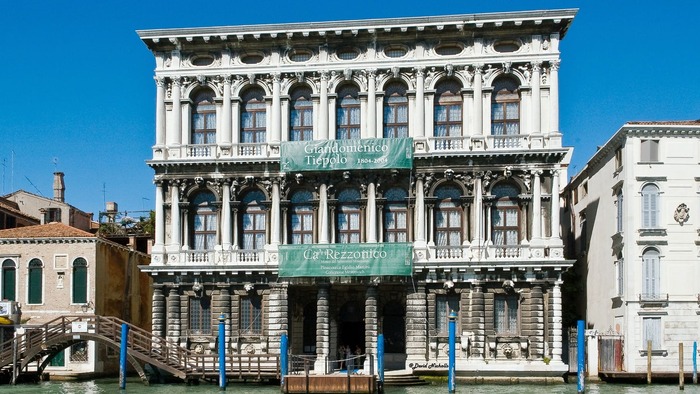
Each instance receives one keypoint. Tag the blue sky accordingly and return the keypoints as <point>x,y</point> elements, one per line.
<point>80,97</point>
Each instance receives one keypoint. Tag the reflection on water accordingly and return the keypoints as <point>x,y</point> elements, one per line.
<point>136,387</point>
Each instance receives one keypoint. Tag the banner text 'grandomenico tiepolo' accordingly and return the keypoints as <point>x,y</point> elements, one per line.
<point>370,153</point>
<point>380,259</point>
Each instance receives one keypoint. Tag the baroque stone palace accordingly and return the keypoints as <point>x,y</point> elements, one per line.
<point>477,208</point>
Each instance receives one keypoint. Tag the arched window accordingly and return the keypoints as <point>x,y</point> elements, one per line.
<point>448,221</point>
<point>253,221</point>
<point>9,276</point>
<point>348,216</point>
<point>505,215</point>
<point>395,215</point>
<point>253,116</point>
<point>650,206</point>
<point>301,115</point>
<point>301,218</point>
<point>204,118</point>
<point>348,113</point>
<point>651,271</point>
<point>80,281</point>
<point>203,221</point>
<point>395,110</point>
<point>447,127</point>
<point>505,107</point>
<point>35,278</point>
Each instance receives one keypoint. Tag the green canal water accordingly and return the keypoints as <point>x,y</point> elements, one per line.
<point>135,387</point>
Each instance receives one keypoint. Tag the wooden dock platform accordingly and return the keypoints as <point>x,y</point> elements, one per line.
<point>336,383</point>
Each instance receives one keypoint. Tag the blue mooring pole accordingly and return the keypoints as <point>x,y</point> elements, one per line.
<point>122,356</point>
<point>380,362</point>
<point>581,355</point>
<point>222,352</point>
<point>695,362</point>
<point>451,366</point>
<point>284,368</point>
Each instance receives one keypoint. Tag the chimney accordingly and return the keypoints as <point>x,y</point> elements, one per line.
<point>59,187</point>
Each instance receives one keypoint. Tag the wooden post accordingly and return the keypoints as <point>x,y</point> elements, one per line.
<point>649,362</point>
<point>681,375</point>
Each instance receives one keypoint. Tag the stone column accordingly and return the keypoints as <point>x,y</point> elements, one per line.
<point>419,127</point>
<point>226,216</point>
<point>234,243</point>
<point>555,206</point>
<point>554,96</point>
<point>416,325</point>
<point>158,312</point>
<point>371,324</point>
<point>477,242</point>
<point>175,227</point>
<point>276,109</point>
<point>557,339</point>
<point>235,124</point>
<point>371,213</point>
<point>478,100</point>
<point>159,244</point>
<point>160,112</point>
<point>175,133</point>
<point>536,99</point>
<point>323,224</point>
<point>322,329</point>
<point>226,113</point>
<point>323,108</point>
<point>279,321</point>
<point>477,322</point>
<point>371,104</point>
<point>536,208</point>
<point>275,214</point>
<point>173,335</point>
<point>536,323</point>
<point>420,210</point>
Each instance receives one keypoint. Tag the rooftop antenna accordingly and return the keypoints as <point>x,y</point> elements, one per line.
<point>35,188</point>
<point>55,163</point>
<point>104,194</point>
<point>4,167</point>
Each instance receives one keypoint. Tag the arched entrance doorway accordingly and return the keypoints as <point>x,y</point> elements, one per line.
<point>309,333</point>
<point>394,328</point>
<point>351,327</point>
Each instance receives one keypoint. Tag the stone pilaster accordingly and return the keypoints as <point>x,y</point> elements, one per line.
<point>556,328</point>
<point>278,312</point>
<point>322,329</point>
<point>371,323</point>
<point>224,307</point>
<point>416,325</point>
<point>536,323</point>
<point>158,312</point>
<point>475,325</point>
<point>173,303</point>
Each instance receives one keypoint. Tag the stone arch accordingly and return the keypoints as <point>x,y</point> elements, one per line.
<point>442,75</point>
<point>241,88</point>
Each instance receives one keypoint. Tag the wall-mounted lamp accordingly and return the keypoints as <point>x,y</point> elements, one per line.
<point>87,306</point>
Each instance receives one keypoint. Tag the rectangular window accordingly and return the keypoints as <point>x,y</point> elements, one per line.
<point>445,304</point>
<point>79,352</point>
<point>620,274</point>
<point>52,215</point>
<point>618,204</point>
<point>251,315</point>
<point>649,151</point>
<point>618,159</point>
<point>200,315</point>
<point>652,332</point>
<point>505,312</point>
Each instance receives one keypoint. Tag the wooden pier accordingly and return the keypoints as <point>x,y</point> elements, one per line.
<point>335,383</point>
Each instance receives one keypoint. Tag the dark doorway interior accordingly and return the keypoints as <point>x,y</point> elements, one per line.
<point>352,326</point>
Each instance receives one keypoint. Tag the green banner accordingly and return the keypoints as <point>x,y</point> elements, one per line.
<point>346,260</point>
<point>346,154</point>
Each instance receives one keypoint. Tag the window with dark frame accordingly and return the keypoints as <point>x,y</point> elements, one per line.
<point>348,216</point>
<point>395,110</point>
<point>506,313</point>
<point>505,215</point>
<point>448,216</point>
<point>251,317</point>
<point>505,108</point>
<point>253,117</point>
<point>204,221</point>
<point>448,115</point>
<point>9,277</point>
<point>204,118</point>
<point>35,282</point>
<point>253,221</point>
<point>301,115</point>
<point>200,315</point>
<point>445,304</point>
<point>395,215</point>
<point>301,218</point>
<point>80,279</point>
<point>348,113</point>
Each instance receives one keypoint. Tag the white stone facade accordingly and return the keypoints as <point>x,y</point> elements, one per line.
<point>478,94</point>
<point>636,239</point>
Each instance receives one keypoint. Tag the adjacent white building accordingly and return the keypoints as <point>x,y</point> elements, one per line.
<point>633,209</point>
<point>477,209</point>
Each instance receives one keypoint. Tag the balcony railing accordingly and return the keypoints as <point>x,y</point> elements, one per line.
<point>252,150</point>
<point>448,252</point>
<point>506,141</point>
<point>506,251</point>
<point>450,143</point>
<point>200,151</point>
